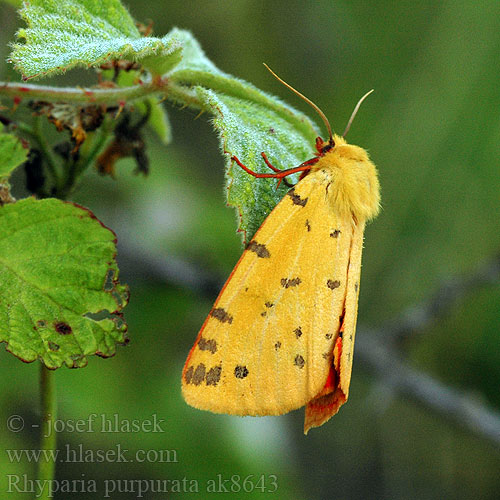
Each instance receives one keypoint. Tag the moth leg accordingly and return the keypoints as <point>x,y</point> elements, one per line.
<point>274,169</point>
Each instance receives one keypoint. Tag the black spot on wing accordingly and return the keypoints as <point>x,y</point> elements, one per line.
<point>298,332</point>
<point>287,283</point>
<point>332,284</point>
<point>299,361</point>
<point>269,304</point>
<point>207,345</point>
<point>213,375</point>
<point>277,345</point>
<point>188,376</point>
<point>220,314</point>
<point>308,225</point>
<point>335,233</point>
<point>240,371</point>
<point>260,249</point>
<point>296,199</point>
<point>199,374</point>
<point>328,336</point>
<point>356,287</point>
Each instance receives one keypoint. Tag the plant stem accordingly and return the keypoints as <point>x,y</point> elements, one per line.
<point>75,170</point>
<point>79,95</point>
<point>46,151</point>
<point>177,92</point>
<point>48,440</point>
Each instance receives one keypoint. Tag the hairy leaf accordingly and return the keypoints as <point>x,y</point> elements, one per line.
<point>246,130</point>
<point>60,299</point>
<point>249,122</point>
<point>62,34</point>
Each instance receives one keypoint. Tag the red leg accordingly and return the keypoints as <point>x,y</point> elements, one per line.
<point>272,167</point>
<point>269,164</point>
<point>251,172</point>
<point>277,173</point>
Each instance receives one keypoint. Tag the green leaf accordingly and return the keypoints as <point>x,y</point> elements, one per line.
<point>60,299</point>
<point>246,130</point>
<point>194,60</point>
<point>158,118</point>
<point>249,122</point>
<point>12,153</point>
<point>62,34</point>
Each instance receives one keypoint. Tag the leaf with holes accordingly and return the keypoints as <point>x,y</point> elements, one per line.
<point>62,34</point>
<point>60,299</point>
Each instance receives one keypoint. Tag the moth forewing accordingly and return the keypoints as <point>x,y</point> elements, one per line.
<point>281,333</point>
<point>267,343</point>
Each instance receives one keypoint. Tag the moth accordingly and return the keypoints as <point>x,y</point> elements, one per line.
<point>281,332</point>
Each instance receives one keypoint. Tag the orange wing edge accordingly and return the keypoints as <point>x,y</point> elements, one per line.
<point>328,402</point>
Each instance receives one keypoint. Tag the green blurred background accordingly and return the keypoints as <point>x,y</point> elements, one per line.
<point>432,127</point>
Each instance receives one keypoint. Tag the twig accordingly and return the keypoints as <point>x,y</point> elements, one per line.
<point>94,95</point>
<point>422,388</point>
<point>375,349</point>
<point>419,317</point>
<point>143,262</point>
<point>91,95</point>
<point>46,151</point>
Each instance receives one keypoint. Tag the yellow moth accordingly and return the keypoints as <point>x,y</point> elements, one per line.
<point>281,332</point>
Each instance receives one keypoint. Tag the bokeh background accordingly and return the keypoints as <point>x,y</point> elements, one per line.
<point>422,421</point>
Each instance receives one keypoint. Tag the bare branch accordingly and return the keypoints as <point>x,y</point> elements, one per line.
<point>419,317</point>
<point>139,262</point>
<point>425,390</point>
<point>90,95</point>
